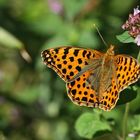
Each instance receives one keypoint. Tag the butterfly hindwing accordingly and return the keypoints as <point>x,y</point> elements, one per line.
<point>127,70</point>
<point>110,97</point>
<point>81,93</point>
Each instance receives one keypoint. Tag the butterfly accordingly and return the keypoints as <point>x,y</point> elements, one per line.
<point>93,78</point>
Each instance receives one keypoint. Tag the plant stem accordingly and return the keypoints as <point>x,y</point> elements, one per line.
<point>124,127</point>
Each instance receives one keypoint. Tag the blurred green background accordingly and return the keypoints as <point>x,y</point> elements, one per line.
<point>33,101</point>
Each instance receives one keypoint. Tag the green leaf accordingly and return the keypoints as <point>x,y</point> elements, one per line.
<point>88,124</point>
<point>8,40</point>
<point>125,37</point>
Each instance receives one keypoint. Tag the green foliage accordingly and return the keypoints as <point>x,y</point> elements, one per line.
<point>33,100</point>
<point>73,8</point>
<point>89,124</point>
<point>125,38</point>
<point>8,40</point>
<point>136,123</point>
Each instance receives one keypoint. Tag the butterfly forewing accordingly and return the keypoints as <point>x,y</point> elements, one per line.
<point>68,61</point>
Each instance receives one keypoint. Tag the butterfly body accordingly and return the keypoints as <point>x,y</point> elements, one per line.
<point>93,79</point>
<point>102,75</point>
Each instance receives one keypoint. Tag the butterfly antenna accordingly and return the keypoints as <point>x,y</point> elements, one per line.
<point>100,35</point>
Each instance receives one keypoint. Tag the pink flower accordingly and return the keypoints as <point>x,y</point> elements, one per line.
<point>132,25</point>
<point>55,6</point>
<point>136,11</point>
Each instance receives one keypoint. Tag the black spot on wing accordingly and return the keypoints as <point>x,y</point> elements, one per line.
<point>78,68</point>
<point>76,52</point>
<point>71,59</point>
<point>84,53</point>
<point>79,61</point>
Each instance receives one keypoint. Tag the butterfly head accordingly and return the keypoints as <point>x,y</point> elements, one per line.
<point>110,51</point>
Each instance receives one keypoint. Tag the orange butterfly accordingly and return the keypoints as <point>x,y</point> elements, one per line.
<point>93,79</point>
